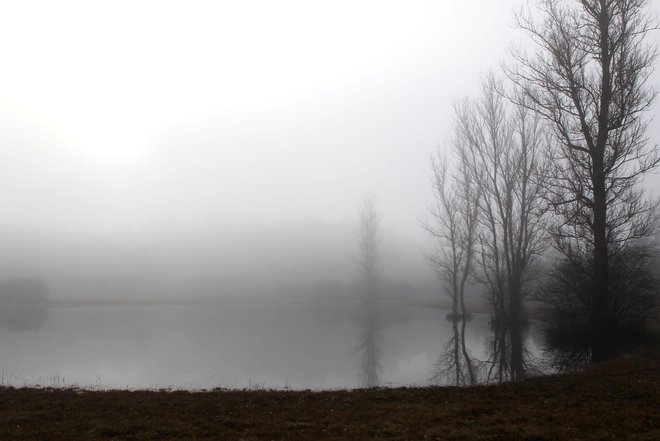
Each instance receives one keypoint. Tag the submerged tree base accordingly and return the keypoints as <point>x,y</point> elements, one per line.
<point>458,316</point>
<point>614,400</point>
<point>569,349</point>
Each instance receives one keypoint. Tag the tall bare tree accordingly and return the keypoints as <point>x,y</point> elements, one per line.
<point>588,79</point>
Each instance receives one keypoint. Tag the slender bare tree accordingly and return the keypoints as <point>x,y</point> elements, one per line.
<point>368,244</point>
<point>588,79</point>
<point>367,258</point>
<point>453,223</point>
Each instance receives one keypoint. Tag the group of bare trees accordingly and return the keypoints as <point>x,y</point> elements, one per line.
<point>489,215</point>
<point>539,196</point>
<point>555,152</point>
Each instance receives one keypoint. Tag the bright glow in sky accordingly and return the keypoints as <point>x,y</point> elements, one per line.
<point>109,75</point>
<point>126,113</point>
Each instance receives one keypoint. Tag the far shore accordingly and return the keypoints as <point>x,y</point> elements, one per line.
<point>127,301</point>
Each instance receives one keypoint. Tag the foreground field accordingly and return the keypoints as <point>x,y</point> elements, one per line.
<point>618,400</point>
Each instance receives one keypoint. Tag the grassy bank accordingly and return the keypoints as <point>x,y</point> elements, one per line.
<point>617,400</point>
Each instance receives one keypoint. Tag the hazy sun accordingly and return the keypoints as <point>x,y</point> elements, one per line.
<point>110,75</point>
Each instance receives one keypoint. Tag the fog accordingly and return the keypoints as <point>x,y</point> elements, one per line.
<point>278,260</point>
<point>148,123</point>
<point>168,145</point>
<point>220,151</point>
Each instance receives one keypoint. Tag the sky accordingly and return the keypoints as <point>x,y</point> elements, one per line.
<point>125,115</point>
<point>137,116</point>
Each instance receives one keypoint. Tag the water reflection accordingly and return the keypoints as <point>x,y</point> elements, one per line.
<point>508,357</point>
<point>23,304</point>
<point>455,365</point>
<point>572,349</point>
<point>510,353</point>
<point>297,345</point>
<point>369,347</point>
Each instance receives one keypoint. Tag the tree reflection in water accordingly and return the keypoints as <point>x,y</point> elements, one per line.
<point>508,357</point>
<point>455,365</point>
<point>369,344</point>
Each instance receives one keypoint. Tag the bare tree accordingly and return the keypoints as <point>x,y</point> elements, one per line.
<point>501,144</point>
<point>367,258</point>
<point>588,79</point>
<point>453,223</point>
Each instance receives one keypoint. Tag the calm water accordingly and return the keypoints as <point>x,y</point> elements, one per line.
<point>231,345</point>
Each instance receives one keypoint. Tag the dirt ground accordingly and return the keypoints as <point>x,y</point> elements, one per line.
<point>612,401</point>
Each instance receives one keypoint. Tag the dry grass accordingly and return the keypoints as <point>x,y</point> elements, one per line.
<point>617,400</point>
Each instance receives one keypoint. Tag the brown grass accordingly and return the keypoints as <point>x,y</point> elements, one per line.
<point>617,400</point>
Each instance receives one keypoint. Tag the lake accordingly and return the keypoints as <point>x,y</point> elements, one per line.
<point>295,345</point>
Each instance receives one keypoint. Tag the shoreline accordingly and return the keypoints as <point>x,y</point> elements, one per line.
<point>614,400</point>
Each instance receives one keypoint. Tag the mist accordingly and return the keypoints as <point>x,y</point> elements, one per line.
<point>190,156</point>
<point>279,260</point>
<point>186,180</point>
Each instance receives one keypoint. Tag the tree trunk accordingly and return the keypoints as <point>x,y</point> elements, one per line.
<point>515,324</point>
<point>600,295</point>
